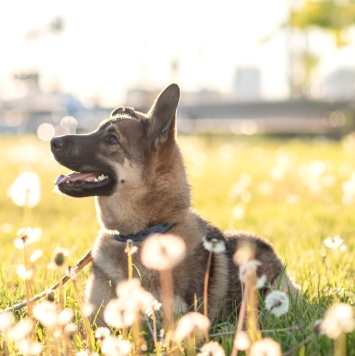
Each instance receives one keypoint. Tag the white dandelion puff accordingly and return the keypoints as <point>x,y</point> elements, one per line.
<point>338,319</point>
<point>248,269</point>
<point>333,242</point>
<point>21,330</point>
<point>102,332</point>
<point>24,273</point>
<point>7,319</point>
<point>25,191</point>
<point>27,347</point>
<point>242,341</point>
<point>27,236</point>
<point>212,348</point>
<point>163,252</point>
<point>36,255</point>
<point>65,316</point>
<point>112,346</point>
<point>277,303</point>
<point>46,313</point>
<point>192,322</point>
<point>214,245</point>
<point>266,347</point>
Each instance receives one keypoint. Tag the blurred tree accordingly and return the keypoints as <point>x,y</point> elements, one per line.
<point>333,16</point>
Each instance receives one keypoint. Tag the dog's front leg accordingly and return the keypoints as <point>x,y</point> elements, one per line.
<point>99,292</point>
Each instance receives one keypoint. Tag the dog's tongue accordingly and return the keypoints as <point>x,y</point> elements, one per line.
<point>75,176</point>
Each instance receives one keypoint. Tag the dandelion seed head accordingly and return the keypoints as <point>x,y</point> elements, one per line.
<point>27,236</point>
<point>214,245</point>
<point>65,316</point>
<point>59,254</point>
<point>248,270</point>
<point>277,303</point>
<point>88,309</point>
<point>102,332</point>
<point>27,347</point>
<point>192,322</point>
<point>242,341</point>
<point>334,242</point>
<point>36,255</point>
<point>6,321</point>
<point>266,347</point>
<point>24,273</point>
<point>112,346</point>
<point>46,313</point>
<point>163,252</point>
<point>21,330</point>
<point>120,314</point>
<point>25,191</point>
<point>212,348</point>
<point>70,329</point>
<point>338,319</point>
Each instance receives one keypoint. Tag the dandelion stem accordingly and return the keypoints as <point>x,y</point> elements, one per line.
<point>205,290</point>
<point>241,318</point>
<point>167,292</point>
<point>340,345</point>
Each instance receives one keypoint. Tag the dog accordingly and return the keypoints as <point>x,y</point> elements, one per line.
<point>133,166</point>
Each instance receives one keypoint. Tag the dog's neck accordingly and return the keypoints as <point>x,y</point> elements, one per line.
<point>142,235</point>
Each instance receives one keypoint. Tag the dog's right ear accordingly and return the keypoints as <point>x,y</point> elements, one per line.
<point>163,115</point>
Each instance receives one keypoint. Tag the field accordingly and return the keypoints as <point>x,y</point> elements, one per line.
<point>294,192</point>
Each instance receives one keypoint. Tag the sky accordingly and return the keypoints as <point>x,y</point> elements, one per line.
<point>109,46</point>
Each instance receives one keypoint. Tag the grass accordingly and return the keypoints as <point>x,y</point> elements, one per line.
<point>289,191</point>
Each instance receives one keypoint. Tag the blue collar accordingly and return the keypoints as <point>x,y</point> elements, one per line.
<point>142,235</point>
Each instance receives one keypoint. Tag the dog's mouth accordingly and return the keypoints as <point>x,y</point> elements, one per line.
<point>81,184</point>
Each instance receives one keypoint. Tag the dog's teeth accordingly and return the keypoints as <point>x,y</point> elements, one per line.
<point>96,180</point>
<point>102,177</point>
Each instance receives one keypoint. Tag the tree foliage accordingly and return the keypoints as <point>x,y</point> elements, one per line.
<point>334,16</point>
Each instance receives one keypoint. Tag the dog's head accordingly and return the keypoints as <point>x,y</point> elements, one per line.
<point>126,143</point>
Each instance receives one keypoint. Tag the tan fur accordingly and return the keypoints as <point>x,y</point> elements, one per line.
<point>152,188</point>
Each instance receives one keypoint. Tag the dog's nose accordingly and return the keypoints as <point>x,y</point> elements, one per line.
<point>57,143</point>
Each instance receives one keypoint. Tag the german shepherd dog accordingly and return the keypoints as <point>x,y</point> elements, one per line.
<point>132,164</point>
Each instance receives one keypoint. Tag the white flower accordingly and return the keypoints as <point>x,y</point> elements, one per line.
<point>27,347</point>
<point>247,270</point>
<point>212,348</point>
<point>338,319</point>
<point>112,346</point>
<point>46,313</point>
<point>6,321</point>
<point>24,273</point>
<point>25,191</point>
<point>191,322</point>
<point>36,255</point>
<point>214,245</point>
<point>21,330</point>
<point>131,299</point>
<point>102,332</point>
<point>27,236</point>
<point>65,316</point>
<point>163,251</point>
<point>277,303</point>
<point>242,341</point>
<point>265,347</point>
<point>333,242</point>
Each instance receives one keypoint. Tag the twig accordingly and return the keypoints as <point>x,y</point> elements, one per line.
<point>306,341</point>
<point>73,271</point>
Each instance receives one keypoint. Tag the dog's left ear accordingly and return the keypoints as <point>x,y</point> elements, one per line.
<point>163,115</point>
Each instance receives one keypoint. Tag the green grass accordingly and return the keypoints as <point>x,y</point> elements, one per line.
<point>289,191</point>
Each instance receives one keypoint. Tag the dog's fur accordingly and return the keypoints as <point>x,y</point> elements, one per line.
<point>146,186</point>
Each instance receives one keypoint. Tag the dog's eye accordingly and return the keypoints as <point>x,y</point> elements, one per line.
<point>112,140</point>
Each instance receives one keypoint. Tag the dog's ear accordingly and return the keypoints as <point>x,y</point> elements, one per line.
<point>122,110</point>
<point>163,115</point>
